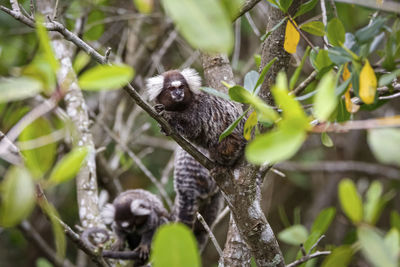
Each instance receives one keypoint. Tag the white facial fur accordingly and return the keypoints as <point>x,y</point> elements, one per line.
<point>137,209</point>
<point>155,84</point>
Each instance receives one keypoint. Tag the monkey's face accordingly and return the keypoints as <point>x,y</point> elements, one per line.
<point>131,215</point>
<point>176,94</point>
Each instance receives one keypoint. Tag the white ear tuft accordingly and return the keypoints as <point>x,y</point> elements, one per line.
<point>192,78</point>
<point>108,213</point>
<point>154,86</point>
<point>138,209</point>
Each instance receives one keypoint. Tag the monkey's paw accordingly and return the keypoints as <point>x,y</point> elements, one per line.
<point>159,108</point>
<point>143,251</point>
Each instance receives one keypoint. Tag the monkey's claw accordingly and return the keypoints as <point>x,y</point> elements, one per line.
<point>159,108</point>
<point>143,251</point>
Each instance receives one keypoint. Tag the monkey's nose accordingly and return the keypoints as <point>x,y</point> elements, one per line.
<point>178,95</point>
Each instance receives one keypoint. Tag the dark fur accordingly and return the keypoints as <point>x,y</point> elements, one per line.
<point>195,191</point>
<point>201,118</point>
<point>138,235</point>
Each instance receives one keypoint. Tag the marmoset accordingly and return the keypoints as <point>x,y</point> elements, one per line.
<point>198,116</point>
<point>195,191</point>
<point>134,215</point>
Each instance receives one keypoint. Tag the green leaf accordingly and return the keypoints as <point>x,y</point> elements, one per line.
<point>374,248</point>
<point>40,70</point>
<point>262,75</point>
<point>340,256</point>
<point>314,27</point>
<point>42,262</point>
<point>232,7</point>
<point>392,242</point>
<point>44,43</point>
<point>40,159</point>
<point>294,235</point>
<point>336,32</point>
<point>277,145</point>
<point>326,140</point>
<point>267,34</point>
<point>305,7</point>
<point>388,78</point>
<point>338,55</point>
<point>250,80</point>
<point>95,21</point>
<point>81,60</point>
<point>58,231</point>
<point>179,239</point>
<point>291,108</point>
<point>17,196</point>
<point>322,60</point>
<point>370,31</point>
<point>105,77</point>
<point>395,219</point>
<point>12,89</point>
<point>239,94</point>
<point>251,122</point>
<point>285,4</point>
<point>204,24</point>
<point>214,92</point>
<point>144,6</point>
<point>372,206</point>
<point>322,222</point>
<point>350,201</point>
<point>325,101</point>
<point>384,145</point>
<point>232,127</point>
<point>68,166</point>
<point>298,70</point>
<point>257,60</point>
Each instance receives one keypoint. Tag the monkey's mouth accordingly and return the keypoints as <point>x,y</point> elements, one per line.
<point>178,97</point>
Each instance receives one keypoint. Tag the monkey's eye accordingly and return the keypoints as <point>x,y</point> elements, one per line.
<point>170,88</point>
<point>181,86</point>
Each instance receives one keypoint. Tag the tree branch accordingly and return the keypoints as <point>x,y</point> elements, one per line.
<point>249,4</point>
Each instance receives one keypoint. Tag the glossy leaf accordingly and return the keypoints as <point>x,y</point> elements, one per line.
<point>41,158</point>
<point>239,94</point>
<point>232,7</point>
<point>374,248</point>
<point>340,256</point>
<point>179,239</point>
<point>350,201</point>
<point>12,89</point>
<point>314,27</point>
<point>105,77</point>
<point>294,235</point>
<point>285,4</point>
<point>292,38</point>
<point>277,145</point>
<point>322,60</point>
<point>267,34</point>
<point>371,30</point>
<point>326,140</point>
<point>68,166</point>
<point>395,219</point>
<point>325,101</point>
<point>81,60</point>
<point>204,24</point>
<point>231,127</point>
<point>368,84</point>
<point>214,92</point>
<point>250,80</point>
<point>336,32</point>
<point>17,196</point>
<point>384,145</point>
<point>305,7</point>
<point>251,122</point>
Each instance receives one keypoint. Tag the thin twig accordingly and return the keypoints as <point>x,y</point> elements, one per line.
<point>220,217</point>
<point>300,88</point>
<point>334,8</point>
<point>246,7</point>
<point>324,21</point>
<point>252,24</point>
<point>210,233</point>
<point>308,257</point>
<point>301,33</point>
<point>316,243</point>
<point>55,10</point>
<point>30,233</point>
<point>236,51</point>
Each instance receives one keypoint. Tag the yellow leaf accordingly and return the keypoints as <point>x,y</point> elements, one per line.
<point>368,84</point>
<point>292,38</point>
<point>346,73</point>
<point>350,106</point>
<point>249,125</point>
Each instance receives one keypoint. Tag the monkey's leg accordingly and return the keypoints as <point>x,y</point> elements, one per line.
<point>209,211</point>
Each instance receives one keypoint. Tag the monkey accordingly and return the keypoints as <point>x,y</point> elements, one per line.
<point>199,117</point>
<point>195,191</point>
<point>134,215</point>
